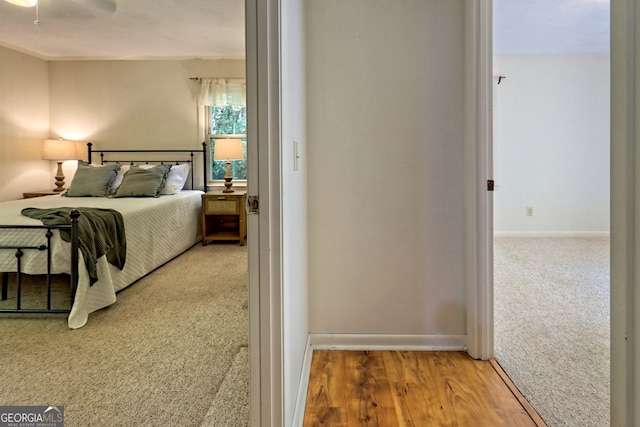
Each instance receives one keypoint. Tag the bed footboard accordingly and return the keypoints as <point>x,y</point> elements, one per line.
<point>19,251</point>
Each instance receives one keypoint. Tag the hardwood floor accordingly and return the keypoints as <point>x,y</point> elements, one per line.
<point>411,388</point>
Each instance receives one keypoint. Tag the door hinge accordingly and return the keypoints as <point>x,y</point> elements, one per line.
<point>253,204</point>
<point>491,185</point>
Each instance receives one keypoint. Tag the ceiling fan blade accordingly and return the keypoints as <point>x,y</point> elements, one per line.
<point>105,5</point>
<point>79,9</point>
<point>63,9</point>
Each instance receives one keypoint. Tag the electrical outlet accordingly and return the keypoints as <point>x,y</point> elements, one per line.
<point>529,211</point>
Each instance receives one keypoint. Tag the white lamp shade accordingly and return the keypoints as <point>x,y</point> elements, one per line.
<point>228,149</point>
<point>23,3</point>
<point>58,150</point>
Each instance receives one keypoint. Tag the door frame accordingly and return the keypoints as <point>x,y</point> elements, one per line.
<point>264,229</point>
<point>479,169</point>
<point>625,212</point>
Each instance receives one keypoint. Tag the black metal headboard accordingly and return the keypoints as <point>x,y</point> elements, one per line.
<point>190,159</point>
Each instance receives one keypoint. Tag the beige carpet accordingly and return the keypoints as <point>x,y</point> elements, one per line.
<point>552,325</point>
<point>231,405</point>
<point>157,357</point>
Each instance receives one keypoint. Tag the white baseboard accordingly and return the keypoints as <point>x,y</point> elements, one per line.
<point>412,342</point>
<point>551,233</point>
<point>303,386</point>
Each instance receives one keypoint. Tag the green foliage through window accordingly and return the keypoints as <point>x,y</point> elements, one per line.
<point>227,120</point>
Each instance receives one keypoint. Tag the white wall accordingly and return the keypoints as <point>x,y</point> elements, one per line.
<point>385,90</point>
<point>551,144</point>
<point>114,104</point>
<point>294,205</point>
<point>131,104</point>
<point>24,124</point>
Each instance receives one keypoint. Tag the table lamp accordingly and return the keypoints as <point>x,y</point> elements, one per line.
<point>227,150</point>
<point>59,150</point>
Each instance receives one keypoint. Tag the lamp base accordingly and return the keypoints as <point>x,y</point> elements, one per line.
<point>59,179</point>
<point>227,179</point>
<point>228,184</point>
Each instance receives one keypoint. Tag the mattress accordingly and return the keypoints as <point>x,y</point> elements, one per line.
<point>157,230</point>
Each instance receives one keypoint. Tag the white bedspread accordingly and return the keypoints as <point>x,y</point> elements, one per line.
<point>157,229</point>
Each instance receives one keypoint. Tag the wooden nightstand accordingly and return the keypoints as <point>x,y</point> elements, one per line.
<point>224,216</point>
<point>30,194</point>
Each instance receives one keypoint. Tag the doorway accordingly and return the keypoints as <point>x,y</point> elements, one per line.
<point>551,206</point>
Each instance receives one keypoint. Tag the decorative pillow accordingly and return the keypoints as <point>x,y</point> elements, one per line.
<point>120,176</point>
<point>176,179</point>
<point>140,182</point>
<point>92,181</point>
<point>118,179</point>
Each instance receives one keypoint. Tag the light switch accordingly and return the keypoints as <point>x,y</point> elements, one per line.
<point>296,156</point>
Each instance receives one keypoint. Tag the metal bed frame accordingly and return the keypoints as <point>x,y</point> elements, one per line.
<point>73,229</point>
<point>190,160</point>
<point>19,252</point>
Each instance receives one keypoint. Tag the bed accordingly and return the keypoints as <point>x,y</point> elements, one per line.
<point>157,229</point>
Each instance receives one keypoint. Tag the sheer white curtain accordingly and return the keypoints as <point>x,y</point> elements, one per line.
<point>222,91</point>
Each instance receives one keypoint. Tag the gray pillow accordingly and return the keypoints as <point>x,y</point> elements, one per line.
<point>139,182</point>
<point>92,181</point>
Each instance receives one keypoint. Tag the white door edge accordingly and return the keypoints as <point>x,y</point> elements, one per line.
<point>264,230</point>
<point>478,165</point>
<point>625,195</point>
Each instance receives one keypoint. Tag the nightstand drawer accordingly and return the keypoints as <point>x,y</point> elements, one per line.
<point>222,205</point>
<point>226,222</point>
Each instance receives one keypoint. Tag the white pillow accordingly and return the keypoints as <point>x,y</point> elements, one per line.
<point>118,180</point>
<point>176,179</point>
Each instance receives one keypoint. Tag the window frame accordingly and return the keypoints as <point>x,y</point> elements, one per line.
<point>211,136</point>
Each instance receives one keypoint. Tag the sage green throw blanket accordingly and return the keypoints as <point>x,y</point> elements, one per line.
<point>100,232</point>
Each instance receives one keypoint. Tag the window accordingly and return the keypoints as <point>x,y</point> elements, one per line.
<point>227,122</point>
<point>226,118</point>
